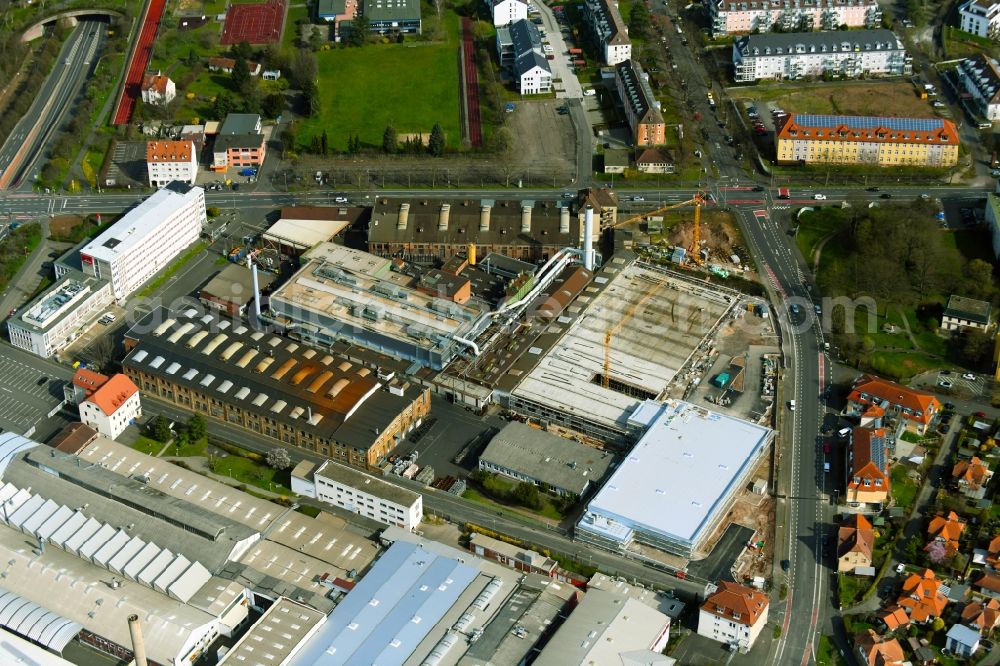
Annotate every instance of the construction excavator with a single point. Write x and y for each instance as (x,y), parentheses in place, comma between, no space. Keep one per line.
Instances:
(697,201)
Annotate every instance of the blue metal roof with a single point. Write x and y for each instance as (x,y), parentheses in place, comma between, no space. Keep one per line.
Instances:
(870,122)
(390,611)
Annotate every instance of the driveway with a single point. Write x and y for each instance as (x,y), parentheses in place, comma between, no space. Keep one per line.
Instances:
(570,86)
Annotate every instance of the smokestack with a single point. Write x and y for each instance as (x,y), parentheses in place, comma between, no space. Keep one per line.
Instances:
(404,216)
(525,219)
(588,238)
(443,217)
(256,293)
(484,218)
(138,644)
(564,220)
(472,254)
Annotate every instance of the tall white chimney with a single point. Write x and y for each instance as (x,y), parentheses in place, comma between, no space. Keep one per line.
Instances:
(588,238)
(138,643)
(256,293)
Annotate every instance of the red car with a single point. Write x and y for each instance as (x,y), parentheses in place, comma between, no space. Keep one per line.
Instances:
(981,415)
(826,448)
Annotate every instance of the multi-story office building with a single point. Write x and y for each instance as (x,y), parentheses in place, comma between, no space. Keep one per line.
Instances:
(795,55)
(59,315)
(980,76)
(146,239)
(359,493)
(980,18)
(737,17)
(606,23)
(169,161)
(641,107)
(814,139)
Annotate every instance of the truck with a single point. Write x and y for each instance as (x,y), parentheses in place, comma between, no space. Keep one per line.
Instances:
(249,171)
(575,51)
(783,193)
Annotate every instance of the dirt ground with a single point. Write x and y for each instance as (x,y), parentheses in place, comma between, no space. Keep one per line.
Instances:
(718,233)
(868,99)
(545,139)
(63,224)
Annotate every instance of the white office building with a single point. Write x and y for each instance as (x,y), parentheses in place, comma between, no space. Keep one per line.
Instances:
(847,54)
(980,18)
(169,161)
(741,17)
(506,12)
(146,239)
(60,315)
(360,493)
(609,29)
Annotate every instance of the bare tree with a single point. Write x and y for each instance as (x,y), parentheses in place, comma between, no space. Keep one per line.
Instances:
(102,352)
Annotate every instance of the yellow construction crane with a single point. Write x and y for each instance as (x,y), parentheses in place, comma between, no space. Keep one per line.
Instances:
(697,200)
(614,330)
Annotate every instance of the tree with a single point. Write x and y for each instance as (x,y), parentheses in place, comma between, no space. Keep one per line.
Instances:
(102,352)
(302,69)
(161,429)
(435,144)
(938,624)
(273,105)
(310,98)
(279,459)
(241,74)
(289,136)
(936,551)
(242,50)
(979,278)
(390,141)
(212,211)
(324,143)
(196,427)
(358,31)
(224,105)
(354,144)
(526,494)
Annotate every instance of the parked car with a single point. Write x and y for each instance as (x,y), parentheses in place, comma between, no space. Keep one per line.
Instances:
(969,376)
(340,200)
(944,383)
(819,197)
(981,415)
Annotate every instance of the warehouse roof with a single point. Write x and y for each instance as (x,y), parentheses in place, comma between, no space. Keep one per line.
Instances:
(284,380)
(16,650)
(135,225)
(276,636)
(556,461)
(304,233)
(353,478)
(234,284)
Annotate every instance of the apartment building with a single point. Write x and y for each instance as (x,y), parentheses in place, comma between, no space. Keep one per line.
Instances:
(844,54)
(519,48)
(146,239)
(158,89)
(855,543)
(739,17)
(59,315)
(606,23)
(915,409)
(980,18)
(734,614)
(109,404)
(868,468)
(641,108)
(506,12)
(980,77)
(359,493)
(239,143)
(820,139)
(169,161)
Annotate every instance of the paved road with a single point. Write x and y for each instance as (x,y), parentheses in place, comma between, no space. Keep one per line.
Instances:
(26,144)
(24,403)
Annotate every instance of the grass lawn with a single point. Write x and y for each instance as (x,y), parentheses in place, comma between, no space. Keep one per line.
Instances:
(971,243)
(888,98)
(253,474)
(903,365)
(364,90)
(191,449)
(175,266)
(148,446)
(291,33)
(904,490)
(851,589)
(813,228)
(827,653)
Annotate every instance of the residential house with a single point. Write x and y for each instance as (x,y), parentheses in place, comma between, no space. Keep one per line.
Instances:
(239,143)
(734,615)
(616,160)
(167,161)
(972,477)
(893,617)
(532,74)
(609,29)
(989,585)
(797,55)
(738,17)
(985,617)
(868,468)
(873,140)
(519,48)
(947,529)
(855,541)
(993,553)
(271,74)
(641,107)
(338,12)
(875,650)
(962,312)
(962,641)
(226,66)
(506,12)
(106,404)
(915,408)
(922,597)
(393,16)
(158,89)
(980,18)
(655,160)
(980,77)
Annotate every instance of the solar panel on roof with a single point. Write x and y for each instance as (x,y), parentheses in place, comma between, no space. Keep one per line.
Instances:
(871,122)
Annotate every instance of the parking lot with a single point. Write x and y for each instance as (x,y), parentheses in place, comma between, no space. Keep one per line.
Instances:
(25,399)
(547,138)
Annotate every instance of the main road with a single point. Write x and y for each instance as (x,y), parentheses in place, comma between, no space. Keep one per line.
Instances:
(20,153)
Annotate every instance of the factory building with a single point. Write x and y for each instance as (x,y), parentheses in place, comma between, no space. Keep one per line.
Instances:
(146,239)
(299,228)
(345,294)
(281,389)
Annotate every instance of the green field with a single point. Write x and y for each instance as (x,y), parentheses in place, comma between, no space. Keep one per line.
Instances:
(291,29)
(148,446)
(903,489)
(408,86)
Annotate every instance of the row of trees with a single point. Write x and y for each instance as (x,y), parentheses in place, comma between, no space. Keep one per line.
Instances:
(391,145)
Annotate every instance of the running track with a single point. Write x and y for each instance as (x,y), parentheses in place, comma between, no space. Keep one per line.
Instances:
(471,85)
(140,59)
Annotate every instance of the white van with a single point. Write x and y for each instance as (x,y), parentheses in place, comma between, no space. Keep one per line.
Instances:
(791,405)
(844,432)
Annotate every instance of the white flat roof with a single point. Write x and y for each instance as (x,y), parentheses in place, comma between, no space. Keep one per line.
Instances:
(136,224)
(680,471)
(304,233)
(15,651)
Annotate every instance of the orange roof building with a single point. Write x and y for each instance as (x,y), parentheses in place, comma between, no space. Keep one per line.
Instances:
(734,615)
(876,650)
(169,161)
(972,477)
(915,408)
(983,616)
(894,617)
(947,529)
(812,139)
(993,553)
(868,462)
(112,407)
(88,381)
(855,541)
(922,597)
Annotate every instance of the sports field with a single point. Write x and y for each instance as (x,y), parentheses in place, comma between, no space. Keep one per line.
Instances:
(362,91)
